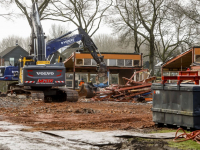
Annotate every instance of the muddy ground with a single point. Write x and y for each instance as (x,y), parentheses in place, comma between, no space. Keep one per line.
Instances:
(83,115)
(74,116)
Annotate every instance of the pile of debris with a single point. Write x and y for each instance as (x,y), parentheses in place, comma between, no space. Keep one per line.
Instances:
(131,91)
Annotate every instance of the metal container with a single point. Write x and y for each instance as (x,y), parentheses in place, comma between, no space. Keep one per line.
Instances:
(176,105)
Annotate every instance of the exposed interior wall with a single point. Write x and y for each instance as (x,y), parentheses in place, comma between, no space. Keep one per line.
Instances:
(124,73)
(197,55)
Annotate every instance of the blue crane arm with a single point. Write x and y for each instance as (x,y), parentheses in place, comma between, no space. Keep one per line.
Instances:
(55,44)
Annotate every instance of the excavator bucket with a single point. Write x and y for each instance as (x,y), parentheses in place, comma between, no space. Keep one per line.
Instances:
(87,90)
(92,48)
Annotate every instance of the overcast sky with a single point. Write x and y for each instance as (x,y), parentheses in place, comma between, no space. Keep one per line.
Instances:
(20,27)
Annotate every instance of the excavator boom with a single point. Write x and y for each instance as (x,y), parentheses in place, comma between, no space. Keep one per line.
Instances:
(55,44)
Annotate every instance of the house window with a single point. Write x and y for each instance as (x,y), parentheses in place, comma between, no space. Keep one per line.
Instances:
(7,63)
(197,58)
(93,78)
(82,76)
(2,72)
(120,62)
(12,61)
(69,84)
(165,73)
(105,60)
(94,63)
(78,78)
(136,62)
(114,79)
(69,76)
(69,80)
(128,62)
(102,79)
(79,61)
(87,62)
(112,62)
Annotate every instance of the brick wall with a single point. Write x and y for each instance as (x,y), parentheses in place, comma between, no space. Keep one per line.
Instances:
(1,61)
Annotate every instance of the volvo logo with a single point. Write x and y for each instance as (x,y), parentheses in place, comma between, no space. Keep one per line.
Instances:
(68,41)
(45,73)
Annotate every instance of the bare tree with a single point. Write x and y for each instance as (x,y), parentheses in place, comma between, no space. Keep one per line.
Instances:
(171,31)
(178,28)
(25,8)
(126,23)
(5,4)
(106,43)
(82,13)
(57,30)
(13,41)
(191,9)
(141,17)
(148,15)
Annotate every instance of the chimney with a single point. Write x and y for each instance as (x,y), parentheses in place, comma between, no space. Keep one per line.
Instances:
(16,42)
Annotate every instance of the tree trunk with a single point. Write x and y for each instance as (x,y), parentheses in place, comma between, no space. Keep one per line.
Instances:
(137,49)
(151,54)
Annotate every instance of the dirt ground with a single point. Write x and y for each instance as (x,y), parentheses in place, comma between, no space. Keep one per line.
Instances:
(86,115)
(74,116)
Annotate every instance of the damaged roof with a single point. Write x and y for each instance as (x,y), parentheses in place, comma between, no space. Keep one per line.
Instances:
(183,60)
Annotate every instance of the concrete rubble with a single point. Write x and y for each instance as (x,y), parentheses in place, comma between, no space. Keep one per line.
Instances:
(132,91)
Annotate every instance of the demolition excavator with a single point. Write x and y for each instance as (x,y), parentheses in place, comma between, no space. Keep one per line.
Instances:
(43,80)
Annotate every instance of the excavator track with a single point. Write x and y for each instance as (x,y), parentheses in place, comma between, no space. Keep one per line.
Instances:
(36,94)
(71,95)
(46,95)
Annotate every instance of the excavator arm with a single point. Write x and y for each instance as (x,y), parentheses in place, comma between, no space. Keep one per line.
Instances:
(38,36)
(62,41)
(92,48)
(55,44)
